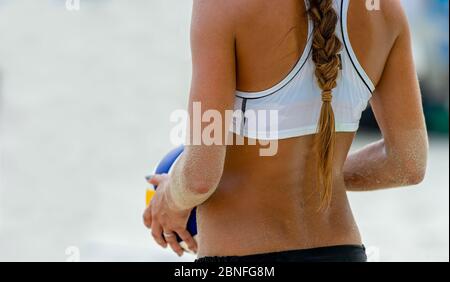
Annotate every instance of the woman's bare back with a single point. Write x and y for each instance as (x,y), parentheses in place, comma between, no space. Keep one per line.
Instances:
(267,204)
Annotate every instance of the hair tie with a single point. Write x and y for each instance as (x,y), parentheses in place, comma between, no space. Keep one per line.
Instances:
(327,96)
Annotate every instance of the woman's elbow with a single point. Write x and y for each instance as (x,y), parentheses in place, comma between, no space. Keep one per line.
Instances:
(410,163)
(201,188)
(415,176)
(202,184)
(202,169)
(414,171)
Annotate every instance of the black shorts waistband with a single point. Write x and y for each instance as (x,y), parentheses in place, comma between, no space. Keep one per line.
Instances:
(341,253)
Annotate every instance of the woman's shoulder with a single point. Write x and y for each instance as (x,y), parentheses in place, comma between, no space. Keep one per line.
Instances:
(394,16)
(216,13)
(238,12)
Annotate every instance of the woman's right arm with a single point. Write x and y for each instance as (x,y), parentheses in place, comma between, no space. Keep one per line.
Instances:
(400,158)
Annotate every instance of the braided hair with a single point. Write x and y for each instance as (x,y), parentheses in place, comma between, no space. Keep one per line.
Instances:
(326,46)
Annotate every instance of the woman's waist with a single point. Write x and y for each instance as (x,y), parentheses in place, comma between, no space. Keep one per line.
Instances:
(247,240)
(240,225)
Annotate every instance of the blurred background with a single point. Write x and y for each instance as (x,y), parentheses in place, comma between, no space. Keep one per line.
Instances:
(85,96)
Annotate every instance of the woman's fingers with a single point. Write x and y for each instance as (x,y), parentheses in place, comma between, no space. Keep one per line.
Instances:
(157,234)
(147,217)
(155,179)
(188,239)
(149,177)
(171,239)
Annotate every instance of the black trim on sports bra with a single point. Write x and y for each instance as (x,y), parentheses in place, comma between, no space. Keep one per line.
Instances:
(244,105)
(347,49)
(294,76)
(244,119)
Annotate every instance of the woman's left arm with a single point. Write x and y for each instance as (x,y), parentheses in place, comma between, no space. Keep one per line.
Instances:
(196,175)
(198,172)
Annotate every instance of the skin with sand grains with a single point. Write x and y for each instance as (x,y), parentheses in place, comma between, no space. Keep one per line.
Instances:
(232,186)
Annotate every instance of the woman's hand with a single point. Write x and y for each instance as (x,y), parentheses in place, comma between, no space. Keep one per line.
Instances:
(165,220)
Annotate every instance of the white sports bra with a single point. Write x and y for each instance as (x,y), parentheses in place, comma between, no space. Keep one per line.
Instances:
(291,108)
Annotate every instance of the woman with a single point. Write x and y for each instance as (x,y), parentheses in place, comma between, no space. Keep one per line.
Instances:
(318,64)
